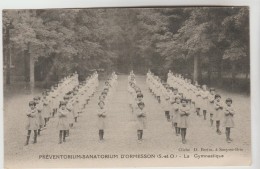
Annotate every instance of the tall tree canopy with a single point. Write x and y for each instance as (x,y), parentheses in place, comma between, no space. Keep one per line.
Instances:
(194,41)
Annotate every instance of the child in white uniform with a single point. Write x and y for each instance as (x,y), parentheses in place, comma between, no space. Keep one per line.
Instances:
(175,114)
(63,123)
(184,119)
(102,115)
(218,105)
(204,96)
(211,110)
(141,121)
(228,121)
(32,123)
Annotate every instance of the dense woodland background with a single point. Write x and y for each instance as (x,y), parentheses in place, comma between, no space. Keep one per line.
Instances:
(208,44)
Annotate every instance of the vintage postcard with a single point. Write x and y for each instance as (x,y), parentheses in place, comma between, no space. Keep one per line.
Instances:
(126,87)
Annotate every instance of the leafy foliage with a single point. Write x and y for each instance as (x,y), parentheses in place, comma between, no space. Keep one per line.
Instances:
(134,38)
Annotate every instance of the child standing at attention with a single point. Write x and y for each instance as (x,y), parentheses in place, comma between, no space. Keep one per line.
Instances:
(141,121)
(76,109)
(198,100)
(63,123)
(218,111)
(175,115)
(211,99)
(166,103)
(45,110)
(229,115)
(184,115)
(204,96)
(32,123)
(39,107)
(69,107)
(139,99)
(174,94)
(101,120)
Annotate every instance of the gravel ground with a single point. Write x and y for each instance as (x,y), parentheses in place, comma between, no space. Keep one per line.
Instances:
(120,135)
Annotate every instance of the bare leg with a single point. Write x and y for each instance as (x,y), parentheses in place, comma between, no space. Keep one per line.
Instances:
(28,137)
(60,136)
(35,137)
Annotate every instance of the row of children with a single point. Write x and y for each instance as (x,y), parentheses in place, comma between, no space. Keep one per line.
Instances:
(104,99)
(178,93)
(41,110)
(137,106)
(65,99)
(176,108)
(207,101)
(74,103)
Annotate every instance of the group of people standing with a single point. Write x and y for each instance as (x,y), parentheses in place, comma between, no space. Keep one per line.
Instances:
(64,101)
(137,106)
(104,99)
(180,99)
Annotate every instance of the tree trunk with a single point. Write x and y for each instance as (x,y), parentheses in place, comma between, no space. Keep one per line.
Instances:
(32,80)
(209,75)
(26,66)
(233,67)
(8,68)
(196,70)
(200,76)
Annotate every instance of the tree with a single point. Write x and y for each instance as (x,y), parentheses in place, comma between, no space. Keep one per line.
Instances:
(189,41)
(237,50)
(24,35)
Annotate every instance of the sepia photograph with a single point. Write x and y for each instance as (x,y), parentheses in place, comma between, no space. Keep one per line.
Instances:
(126,87)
